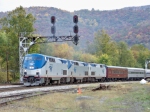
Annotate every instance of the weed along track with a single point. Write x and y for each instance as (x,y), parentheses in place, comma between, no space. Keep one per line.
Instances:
(101,97)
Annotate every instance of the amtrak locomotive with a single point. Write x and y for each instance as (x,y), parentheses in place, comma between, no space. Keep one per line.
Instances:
(39,69)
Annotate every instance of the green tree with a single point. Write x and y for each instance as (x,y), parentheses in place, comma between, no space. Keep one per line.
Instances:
(125,55)
(85,57)
(104,59)
(4,58)
(141,53)
(47,49)
(104,45)
(63,51)
(17,21)
(90,48)
(56,49)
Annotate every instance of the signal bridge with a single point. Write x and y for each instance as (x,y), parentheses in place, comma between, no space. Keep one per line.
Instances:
(26,41)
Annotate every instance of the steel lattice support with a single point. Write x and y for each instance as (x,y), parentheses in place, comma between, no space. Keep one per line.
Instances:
(25,42)
(24,45)
(147,61)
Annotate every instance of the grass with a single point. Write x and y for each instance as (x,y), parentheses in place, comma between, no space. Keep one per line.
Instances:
(120,98)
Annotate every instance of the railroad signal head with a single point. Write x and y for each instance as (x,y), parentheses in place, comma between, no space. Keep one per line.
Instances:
(53,29)
(75,39)
(75,19)
(75,29)
(53,19)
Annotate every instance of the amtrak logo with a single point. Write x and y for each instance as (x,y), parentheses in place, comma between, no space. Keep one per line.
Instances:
(51,67)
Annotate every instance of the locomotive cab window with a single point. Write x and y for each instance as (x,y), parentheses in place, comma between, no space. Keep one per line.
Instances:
(51,59)
(76,63)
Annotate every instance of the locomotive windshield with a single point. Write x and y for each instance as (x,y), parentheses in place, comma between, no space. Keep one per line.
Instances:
(34,61)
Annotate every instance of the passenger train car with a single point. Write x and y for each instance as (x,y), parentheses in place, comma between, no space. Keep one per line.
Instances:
(39,69)
(116,73)
(147,74)
(136,73)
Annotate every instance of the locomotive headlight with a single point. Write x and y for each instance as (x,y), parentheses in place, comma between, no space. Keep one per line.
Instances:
(31,67)
(25,76)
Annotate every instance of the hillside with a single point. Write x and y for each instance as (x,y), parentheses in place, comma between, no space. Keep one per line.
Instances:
(131,24)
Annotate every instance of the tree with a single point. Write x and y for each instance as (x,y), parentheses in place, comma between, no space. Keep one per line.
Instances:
(17,21)
(125,55)
(63,51)
(141,53)
(59,50)
(90,48)
(85,57)
(4,62)
(104,45)
(104,59)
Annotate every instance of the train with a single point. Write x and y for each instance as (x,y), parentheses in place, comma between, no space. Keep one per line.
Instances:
(39,69)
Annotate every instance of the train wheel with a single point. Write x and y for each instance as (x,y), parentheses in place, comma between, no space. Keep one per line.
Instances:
(102,79)
(71,80)
(49,81)
(43,84)
(63,80)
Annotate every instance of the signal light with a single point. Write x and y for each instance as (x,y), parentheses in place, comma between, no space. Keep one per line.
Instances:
(53,19)
(75,19)
(75,39)
(53,29)
(75,29)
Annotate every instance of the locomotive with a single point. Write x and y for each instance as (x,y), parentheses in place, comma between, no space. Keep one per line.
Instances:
(39,69)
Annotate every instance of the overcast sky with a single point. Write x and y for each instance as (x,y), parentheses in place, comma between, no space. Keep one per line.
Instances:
(72,5)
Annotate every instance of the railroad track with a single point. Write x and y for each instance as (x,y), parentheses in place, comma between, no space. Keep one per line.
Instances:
(11,89)
(27,92)
(20,88)
(20,93)
(15,88)
(5,100)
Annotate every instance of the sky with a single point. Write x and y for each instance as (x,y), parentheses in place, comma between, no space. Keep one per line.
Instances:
(72,5)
